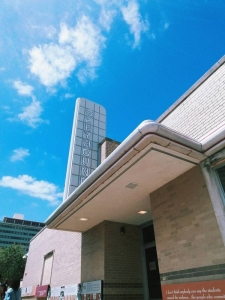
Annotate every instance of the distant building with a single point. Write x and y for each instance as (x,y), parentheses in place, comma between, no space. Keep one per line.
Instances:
(18,231)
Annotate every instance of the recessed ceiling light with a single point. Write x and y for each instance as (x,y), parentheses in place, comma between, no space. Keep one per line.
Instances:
(142,212)
(83,219)
(131,185)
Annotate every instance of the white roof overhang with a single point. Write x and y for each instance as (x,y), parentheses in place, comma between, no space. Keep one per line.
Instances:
(150,157)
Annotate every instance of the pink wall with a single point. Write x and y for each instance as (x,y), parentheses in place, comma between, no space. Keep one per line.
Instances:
(66,268)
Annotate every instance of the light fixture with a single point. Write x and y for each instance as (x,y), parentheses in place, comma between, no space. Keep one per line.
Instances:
(131,185)
(122,230)
(83,219)
(142,212)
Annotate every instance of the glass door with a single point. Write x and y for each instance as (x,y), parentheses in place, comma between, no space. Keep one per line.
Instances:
(154,285)
(152,282)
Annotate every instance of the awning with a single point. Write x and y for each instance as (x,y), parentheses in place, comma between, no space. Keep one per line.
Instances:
(119,188)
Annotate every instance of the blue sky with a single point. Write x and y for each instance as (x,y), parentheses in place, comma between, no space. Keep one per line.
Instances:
(133,57)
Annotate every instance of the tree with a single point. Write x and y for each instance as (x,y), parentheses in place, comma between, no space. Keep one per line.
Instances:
(12,263)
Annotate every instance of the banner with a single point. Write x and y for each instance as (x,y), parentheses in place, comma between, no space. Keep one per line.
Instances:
(42,291)
(204,290)
(64,292)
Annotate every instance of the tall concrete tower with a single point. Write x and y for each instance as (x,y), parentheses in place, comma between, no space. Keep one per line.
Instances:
(89,129)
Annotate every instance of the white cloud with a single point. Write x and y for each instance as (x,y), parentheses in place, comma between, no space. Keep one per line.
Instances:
(51,63)
(101,2)
(85,73)
(50,31)
(67,96)
(46,31)
(166,25)
(22,88)
(86,40)
(31,114)
(106,18)
(77,47)
(134,20)
(6,107)
(19,154)
(35,188)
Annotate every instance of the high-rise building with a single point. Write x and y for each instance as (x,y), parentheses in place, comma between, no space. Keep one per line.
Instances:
(18,231)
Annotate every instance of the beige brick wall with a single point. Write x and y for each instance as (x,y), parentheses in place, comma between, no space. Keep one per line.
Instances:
(203,110)
(92,262)
(122,253)
(186,230)
(66,260)
(114,258)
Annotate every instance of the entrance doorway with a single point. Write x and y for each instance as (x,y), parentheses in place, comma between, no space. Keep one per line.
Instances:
(151,264)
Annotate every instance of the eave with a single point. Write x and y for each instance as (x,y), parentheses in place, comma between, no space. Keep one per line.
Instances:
(151,156)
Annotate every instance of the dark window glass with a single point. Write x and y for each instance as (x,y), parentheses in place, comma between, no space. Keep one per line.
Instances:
(148,234)
(221,173)
(152,268)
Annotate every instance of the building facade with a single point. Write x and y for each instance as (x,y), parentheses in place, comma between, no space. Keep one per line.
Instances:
(18,231)
(66,266)
(152,214)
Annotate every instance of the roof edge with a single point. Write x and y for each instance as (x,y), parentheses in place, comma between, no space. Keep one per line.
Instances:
(148,127)
(145,128)
(110,140)
(214,68)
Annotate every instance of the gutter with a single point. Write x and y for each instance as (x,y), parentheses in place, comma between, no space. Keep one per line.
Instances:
(215,142)
(147,132)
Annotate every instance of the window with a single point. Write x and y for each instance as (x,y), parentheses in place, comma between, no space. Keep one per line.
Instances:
(47,268)
(148,234)
(214,172)
(221,175)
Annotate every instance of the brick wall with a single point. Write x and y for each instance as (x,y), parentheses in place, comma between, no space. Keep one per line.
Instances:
(186,229)
(122,253)
(114,258)
(66,247)
(203,110)
(107,147)
(92,261)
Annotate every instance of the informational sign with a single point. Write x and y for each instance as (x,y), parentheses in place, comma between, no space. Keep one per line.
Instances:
(28,291)
(205,290)
(42,291)
(89,129)
(64,292)
(90,290)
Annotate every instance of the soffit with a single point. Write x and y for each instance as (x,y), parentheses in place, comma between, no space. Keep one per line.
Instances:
(150,169)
